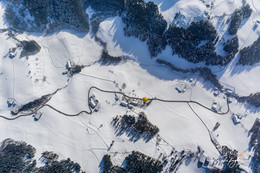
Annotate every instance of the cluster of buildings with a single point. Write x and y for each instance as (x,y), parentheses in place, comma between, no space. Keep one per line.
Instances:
(94,103)
(12,104)
(130,103)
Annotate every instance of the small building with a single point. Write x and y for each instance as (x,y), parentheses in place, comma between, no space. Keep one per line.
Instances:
(236,119)
(215,106)
(229,100)
(192,82)
(130,107)
(14,110)
(11,55)
(181,88)
(201,161)
(255,26)
(76,69)
(69,65)
(116,97)
(92,104)
(239,116)
(123,104)
(216,92)
(37,116)
(206,163)
(93,96)
(228,91)
(11,102)
(134,102)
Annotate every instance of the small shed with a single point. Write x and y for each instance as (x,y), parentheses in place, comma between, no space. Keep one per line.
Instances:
(116,97)
(37,116)
(69,65)
(216,92)
(11,55)
(214,106)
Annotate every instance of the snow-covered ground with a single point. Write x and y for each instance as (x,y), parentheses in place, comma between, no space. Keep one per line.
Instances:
(85,138)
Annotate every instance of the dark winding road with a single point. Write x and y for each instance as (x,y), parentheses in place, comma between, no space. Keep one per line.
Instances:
(113,92)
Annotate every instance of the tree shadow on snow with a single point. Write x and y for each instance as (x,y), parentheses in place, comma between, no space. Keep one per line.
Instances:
(131,134)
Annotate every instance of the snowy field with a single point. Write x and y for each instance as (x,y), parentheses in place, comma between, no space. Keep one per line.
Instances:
(86,138)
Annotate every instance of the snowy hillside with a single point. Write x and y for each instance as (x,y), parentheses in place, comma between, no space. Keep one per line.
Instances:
(72,95)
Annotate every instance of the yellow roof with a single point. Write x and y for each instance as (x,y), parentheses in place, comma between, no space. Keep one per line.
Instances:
(145,99)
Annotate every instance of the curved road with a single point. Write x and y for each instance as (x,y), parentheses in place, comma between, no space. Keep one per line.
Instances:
(114,92)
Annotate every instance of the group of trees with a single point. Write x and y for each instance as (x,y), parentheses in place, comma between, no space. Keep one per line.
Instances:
(13,156)
(136,162)
(105,5)
(250,55)
(237,17)
(68,14)
(231,46)
(144,126)
(204,72)
(103,9)
(108,167)
(108,59)
(59,14)
(197,43)
(253,99)
(144,21)
(30,47)
(64,166)
(255,144)
(231,165)
(136,127)
(33,104)
(18,156)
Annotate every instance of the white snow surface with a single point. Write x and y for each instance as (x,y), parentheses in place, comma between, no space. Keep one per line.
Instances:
(82,138)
